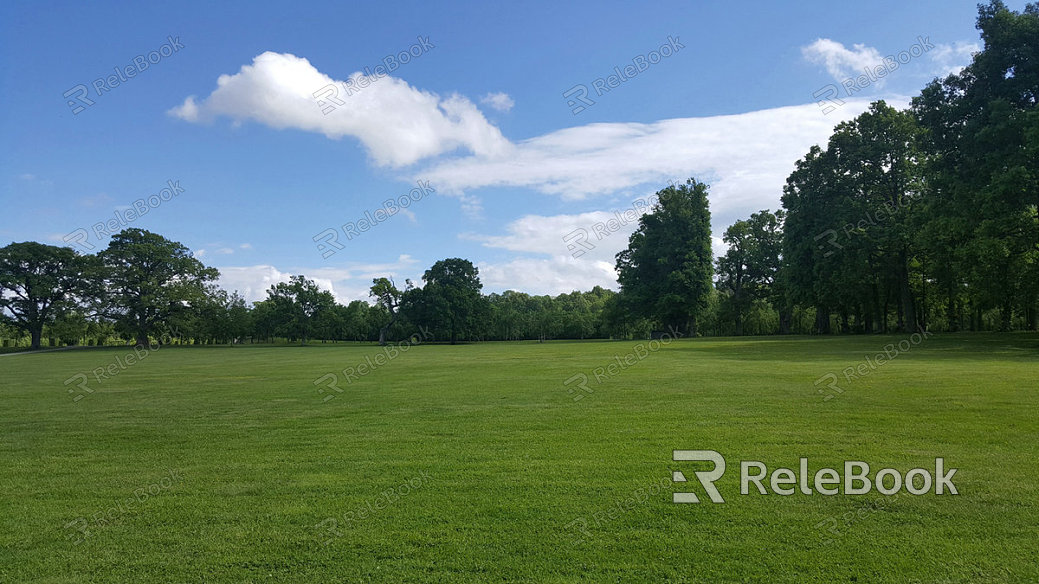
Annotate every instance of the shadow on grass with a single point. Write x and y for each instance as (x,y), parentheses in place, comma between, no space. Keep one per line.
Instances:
(1023,346)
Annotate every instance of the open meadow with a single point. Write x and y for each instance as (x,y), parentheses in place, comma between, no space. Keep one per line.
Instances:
(475,463)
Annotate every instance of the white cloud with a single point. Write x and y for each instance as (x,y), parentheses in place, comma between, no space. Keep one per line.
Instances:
(245,246)
(745,158)
(553,235)
(559,271)
(212,249)
(32,178)
(840,61)
(397,123)
(409,214)
(952,58)
(547,276)
(499,101)
(346,284)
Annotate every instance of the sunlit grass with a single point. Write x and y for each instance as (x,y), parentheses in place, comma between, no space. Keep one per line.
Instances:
(269,482)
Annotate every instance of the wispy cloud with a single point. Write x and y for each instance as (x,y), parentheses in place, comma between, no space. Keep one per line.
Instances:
(499,101)
(746,157)
(97,200)
(840,61)
(347,283)
(951,58)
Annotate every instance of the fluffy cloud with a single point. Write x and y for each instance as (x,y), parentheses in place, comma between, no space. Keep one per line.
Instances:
(546,276)
(556,270)
(745,157)
(397,123)
(346,284)
(840,61)
(499,101)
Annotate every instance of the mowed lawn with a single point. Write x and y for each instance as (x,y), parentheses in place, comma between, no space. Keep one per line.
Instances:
(239,471)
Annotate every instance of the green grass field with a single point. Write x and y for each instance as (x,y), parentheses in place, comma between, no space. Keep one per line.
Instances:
(235,464)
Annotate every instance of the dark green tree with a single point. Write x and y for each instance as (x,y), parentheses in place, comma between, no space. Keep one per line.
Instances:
(389,297)
(982,140)
(450,302)
(747,272)
(40,283)
(151,281)
(299,307)
(665,273)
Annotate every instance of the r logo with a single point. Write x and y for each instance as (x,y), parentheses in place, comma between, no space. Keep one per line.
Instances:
(331,93)
(580,96)
(577,237)
(706,478)
(826,98)
(832,241)
(81,101)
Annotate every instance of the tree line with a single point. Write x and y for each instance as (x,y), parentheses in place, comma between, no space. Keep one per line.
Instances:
(144,286)
(926,218)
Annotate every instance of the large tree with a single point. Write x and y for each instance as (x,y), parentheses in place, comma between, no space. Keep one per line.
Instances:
(39,283)
(982,138)
(151,281)
(450,301)
(747,272)
(389,297)
(665,274)
(850,227)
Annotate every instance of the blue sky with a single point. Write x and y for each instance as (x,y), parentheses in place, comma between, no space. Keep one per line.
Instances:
(228,113)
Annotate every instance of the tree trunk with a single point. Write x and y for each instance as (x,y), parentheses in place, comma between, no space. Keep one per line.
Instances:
(142,339)
(907,312)
(952,313)
(785,318)
(37,334)
(1006,313)
(822,320)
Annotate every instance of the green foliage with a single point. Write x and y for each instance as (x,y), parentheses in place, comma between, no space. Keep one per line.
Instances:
(40,283)
(449,303)
(300,308)
(748,271)
(151,281)
(665,273)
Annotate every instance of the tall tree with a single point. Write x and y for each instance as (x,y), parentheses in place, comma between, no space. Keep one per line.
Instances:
(880,182)
(39,283)
(450,300)
(982,136)
(849,235)
(150,281)
(665,273)
(747,272)
(388,296)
